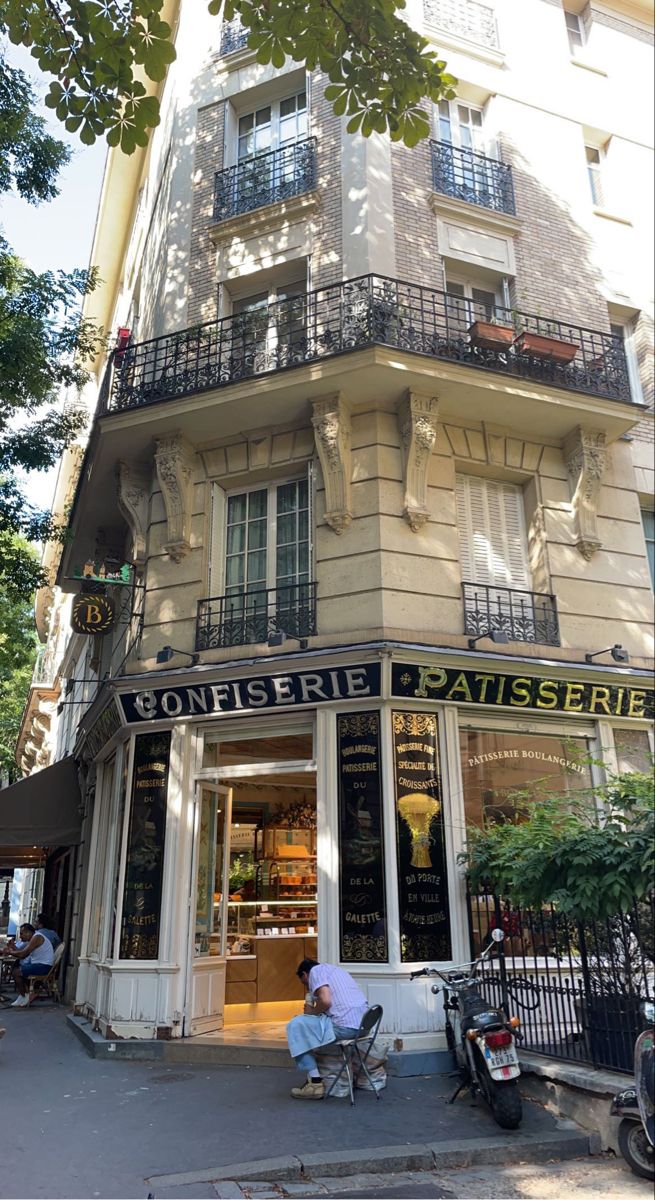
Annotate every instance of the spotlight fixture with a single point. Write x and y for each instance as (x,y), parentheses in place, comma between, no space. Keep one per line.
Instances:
(495,635)
(278,637)
(618,652)
(166,653)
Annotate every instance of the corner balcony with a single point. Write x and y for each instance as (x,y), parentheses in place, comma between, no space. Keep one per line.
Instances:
(464,19)
(370,311)
(465,175)
(250,617)
(522,616)
(267,179)
(233,36)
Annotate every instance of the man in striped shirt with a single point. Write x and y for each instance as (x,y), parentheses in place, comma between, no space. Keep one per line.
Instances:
(334,1010)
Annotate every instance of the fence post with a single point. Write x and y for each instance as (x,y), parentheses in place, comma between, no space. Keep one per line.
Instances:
(586,981)
(498,912)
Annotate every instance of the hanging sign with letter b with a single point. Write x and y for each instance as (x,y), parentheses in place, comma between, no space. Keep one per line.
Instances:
(92,614)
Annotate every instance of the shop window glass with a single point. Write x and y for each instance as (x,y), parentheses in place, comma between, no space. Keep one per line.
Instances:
(99,880)
(633,752)
(297,747)
(118,833)
(498,767)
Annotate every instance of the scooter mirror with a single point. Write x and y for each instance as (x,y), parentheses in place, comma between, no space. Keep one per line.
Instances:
(648,1011)
(497,935)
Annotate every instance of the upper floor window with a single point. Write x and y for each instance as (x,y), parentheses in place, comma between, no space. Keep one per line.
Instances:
(268,328)
(461,125)
(575,30)
(625,330)
(470,300)
(595,156)
(491,523)
(278,124)
(648,519)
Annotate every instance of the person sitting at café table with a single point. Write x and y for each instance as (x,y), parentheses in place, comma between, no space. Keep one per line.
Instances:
(34,956)
(333,1011)
(43,924)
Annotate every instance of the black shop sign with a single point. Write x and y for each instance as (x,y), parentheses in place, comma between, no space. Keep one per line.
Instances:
(144,868)
(363,918)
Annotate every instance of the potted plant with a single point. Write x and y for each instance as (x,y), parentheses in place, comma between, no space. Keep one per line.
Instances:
(547,346)
(493,334)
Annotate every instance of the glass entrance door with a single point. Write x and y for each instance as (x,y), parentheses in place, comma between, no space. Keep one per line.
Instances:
(206,1008)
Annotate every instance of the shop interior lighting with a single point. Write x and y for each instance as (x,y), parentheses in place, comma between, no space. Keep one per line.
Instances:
(279,637)
(495,635)
(166,653)
(618,652)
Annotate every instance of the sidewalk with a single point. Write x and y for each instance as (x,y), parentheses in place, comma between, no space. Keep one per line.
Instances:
(83,1127)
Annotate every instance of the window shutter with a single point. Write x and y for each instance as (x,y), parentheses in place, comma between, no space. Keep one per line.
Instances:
(492,533)
(217,541)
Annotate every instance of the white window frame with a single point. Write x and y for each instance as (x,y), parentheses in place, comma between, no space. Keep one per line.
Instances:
(525,584)
(625,328)
(479,145)
(595,173)
(275,124)
(271,526)
(575,26)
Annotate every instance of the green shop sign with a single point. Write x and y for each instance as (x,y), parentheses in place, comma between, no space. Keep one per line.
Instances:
(415,682)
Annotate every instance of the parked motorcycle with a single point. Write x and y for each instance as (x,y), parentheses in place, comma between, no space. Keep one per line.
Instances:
(481,1039)
(636,1105)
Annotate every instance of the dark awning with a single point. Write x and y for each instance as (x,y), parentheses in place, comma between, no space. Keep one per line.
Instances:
(44,809)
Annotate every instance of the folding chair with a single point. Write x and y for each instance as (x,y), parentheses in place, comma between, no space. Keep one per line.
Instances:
(351,1053)
(48,985)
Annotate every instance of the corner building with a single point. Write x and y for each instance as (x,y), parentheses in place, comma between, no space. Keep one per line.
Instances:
(375,442)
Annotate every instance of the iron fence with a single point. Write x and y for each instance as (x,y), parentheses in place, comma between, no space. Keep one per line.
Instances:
(523,616)
(466,175)
(464,18)
(368,311)
(577,988)
(265,179)
(233,36)
(248,617)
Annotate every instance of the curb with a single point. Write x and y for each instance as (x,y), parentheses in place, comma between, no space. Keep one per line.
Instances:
(505,1147)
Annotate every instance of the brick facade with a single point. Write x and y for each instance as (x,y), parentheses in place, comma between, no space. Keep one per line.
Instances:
(203,285)
(327,229)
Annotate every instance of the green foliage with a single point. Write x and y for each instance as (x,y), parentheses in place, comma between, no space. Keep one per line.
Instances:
(99,52)
(559,850)
(29,157)
(17,651)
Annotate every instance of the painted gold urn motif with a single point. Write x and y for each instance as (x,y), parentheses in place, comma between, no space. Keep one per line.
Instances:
(418,809)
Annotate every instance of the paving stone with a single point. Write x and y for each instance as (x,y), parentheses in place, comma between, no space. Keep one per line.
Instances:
(227,1189)
(190,1191)
(313,1187)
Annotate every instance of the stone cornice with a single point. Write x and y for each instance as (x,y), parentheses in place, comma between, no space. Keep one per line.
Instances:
(451,209)
(264,219)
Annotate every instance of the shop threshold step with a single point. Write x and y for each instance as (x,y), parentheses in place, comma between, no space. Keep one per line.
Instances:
(207,1052)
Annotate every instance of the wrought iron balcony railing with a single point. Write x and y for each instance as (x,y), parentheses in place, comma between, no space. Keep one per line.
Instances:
(233,36)
(523,616)
(45,672)
(277,175)
(466,175)
(355,314)
(249,617)
(464,18)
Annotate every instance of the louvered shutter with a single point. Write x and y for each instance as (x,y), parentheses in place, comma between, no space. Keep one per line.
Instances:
(493,543)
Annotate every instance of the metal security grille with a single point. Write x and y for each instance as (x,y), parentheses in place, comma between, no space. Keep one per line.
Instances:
(349,316)
(523,616)
(467,175)
(265,179)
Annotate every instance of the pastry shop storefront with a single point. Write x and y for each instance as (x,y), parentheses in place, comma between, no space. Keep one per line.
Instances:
(248,817)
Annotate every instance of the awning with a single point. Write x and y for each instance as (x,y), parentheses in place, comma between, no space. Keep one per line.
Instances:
(44,809)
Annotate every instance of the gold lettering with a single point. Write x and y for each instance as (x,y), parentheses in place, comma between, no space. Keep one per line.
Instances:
(636,698)
(501,689)
(430,678)
(93,614)
(547,691)
(484,680)
(520,695)
(573,697)
(600,696)
(460,685)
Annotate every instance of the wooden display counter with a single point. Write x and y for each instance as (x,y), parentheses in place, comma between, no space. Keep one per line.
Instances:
(270,973)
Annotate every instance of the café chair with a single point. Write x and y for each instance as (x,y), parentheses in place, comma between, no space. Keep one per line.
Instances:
(353,1060)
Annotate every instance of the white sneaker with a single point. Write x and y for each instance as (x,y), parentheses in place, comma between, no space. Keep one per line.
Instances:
(21,1002)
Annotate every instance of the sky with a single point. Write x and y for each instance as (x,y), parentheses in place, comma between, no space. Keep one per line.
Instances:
(59,233)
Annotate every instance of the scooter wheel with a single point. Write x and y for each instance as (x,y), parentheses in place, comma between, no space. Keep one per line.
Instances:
(636,1149)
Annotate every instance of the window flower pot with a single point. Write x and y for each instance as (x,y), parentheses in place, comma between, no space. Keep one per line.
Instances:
(487,336)
(540,346)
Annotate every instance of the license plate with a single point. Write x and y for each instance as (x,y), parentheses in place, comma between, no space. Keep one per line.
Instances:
(501,1058)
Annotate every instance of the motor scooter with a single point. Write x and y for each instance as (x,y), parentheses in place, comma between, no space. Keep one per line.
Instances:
(481,1039)
(636,1105)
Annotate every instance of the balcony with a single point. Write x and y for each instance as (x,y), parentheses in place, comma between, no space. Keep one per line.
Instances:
(464,18)
(523,616)
(45,672)
(354,315)
(266,179)
(465,175)
(233,36)
(248,618)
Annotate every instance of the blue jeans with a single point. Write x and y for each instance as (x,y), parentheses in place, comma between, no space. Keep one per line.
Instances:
(307,1061)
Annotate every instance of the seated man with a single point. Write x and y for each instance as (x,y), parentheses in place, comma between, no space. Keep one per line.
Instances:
(44,926)
(34,956)
(334,1011)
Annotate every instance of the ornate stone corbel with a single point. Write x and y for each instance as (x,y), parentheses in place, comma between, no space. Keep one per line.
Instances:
(133,495)
(584,454)
(174,463)
(417,422)
(331,421)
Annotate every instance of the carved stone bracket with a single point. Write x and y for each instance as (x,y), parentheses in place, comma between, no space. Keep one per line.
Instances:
(174,463)
(134,481)
(417,422)
(331,421)
(584,454)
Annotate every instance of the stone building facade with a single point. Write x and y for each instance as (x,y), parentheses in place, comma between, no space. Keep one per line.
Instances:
(376,448)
